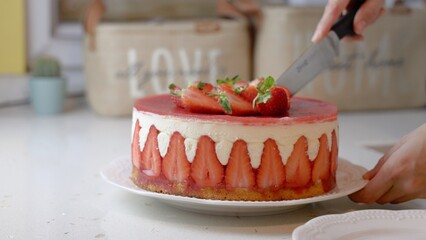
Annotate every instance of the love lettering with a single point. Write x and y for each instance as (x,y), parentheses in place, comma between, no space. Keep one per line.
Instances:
(164,66)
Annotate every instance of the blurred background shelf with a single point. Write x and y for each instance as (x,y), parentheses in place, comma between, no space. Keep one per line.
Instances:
(54,27)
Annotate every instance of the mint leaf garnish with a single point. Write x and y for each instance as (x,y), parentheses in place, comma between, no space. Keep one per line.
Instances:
(228,80)
(263,88)
(200,85)
(224,102)
(239,89)
(175,90)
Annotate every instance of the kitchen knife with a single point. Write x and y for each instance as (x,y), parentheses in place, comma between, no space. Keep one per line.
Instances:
(319,56)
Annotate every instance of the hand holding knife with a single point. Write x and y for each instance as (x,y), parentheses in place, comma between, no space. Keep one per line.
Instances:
(321,55)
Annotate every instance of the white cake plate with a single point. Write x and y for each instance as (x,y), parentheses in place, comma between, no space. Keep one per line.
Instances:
(366,225)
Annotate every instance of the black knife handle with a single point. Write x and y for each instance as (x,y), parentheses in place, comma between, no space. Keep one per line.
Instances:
(345,25)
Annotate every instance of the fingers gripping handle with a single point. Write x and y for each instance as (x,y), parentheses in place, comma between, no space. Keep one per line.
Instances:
(345,25)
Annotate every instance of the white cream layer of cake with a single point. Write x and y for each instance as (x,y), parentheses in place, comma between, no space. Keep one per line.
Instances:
(225,133)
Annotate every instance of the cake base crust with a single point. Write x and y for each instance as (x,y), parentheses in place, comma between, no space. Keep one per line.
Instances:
(189,189)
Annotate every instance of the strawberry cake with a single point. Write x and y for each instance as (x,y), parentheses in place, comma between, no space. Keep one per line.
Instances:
(232,142)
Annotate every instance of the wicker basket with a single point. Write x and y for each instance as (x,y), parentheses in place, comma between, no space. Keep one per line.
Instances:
(124,61)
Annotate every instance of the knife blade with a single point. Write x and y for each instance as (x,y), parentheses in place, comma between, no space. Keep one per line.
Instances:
(319,56)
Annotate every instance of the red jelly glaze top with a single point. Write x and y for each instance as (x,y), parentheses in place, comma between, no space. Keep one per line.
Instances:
(302,110)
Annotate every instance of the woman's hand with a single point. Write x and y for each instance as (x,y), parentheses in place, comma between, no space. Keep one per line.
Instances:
(400,175)
(366,15)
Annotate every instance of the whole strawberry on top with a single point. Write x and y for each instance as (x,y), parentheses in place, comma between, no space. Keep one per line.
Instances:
(234,96)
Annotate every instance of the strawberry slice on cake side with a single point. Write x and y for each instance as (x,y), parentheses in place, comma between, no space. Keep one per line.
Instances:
(298,167)
(271,173)
(322,163)
(206,170)
(175,165)
(150,158)
(239,172)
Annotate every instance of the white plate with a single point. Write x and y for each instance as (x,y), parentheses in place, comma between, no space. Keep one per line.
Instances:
(349,180)
(365,225)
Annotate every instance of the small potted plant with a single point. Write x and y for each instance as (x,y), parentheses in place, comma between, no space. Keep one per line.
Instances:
(47,86)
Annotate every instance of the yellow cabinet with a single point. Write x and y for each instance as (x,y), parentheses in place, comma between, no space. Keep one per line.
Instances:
(12,37)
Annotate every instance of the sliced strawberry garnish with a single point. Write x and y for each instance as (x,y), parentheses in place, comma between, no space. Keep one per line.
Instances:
(298,167)
(136,152)
(234,96)
(240,85)
(206,170)
(334,153)
(176,95)
(256,81)
(239,172)
(271,173)
(233,103)
(150,162)
(175,166)
(288,94)
(195,100)
(321,165)
(203,86)
(249,93)
(277,103)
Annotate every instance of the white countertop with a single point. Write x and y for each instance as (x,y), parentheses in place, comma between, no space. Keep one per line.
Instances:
(50,186)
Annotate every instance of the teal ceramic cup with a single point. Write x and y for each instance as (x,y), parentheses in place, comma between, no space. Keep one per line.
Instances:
(47,95)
